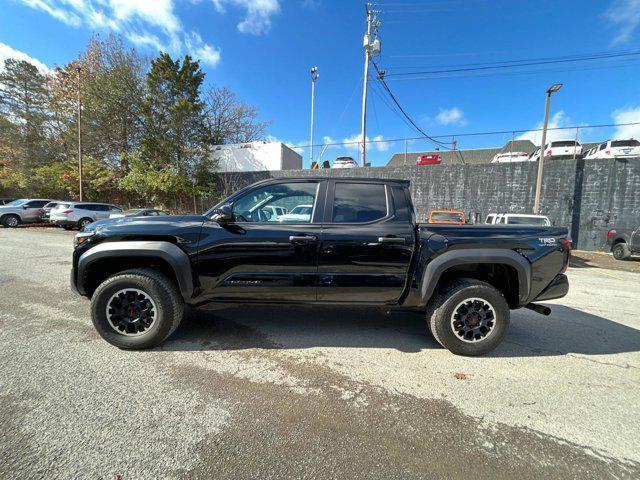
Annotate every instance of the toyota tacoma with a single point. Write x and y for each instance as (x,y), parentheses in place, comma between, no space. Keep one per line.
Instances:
(358,244)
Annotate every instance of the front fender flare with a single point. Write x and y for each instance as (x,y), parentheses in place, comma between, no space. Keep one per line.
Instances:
(452,258)
(167,251)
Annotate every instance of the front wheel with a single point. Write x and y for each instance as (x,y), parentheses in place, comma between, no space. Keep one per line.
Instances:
(621,251)
(468,317)
(136,309)
(11,221)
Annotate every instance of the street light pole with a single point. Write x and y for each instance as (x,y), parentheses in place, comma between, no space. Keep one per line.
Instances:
(367,39)
(78,68)
(536,202)
(314,77)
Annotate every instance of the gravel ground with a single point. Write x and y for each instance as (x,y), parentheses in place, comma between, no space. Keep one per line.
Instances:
(266,392)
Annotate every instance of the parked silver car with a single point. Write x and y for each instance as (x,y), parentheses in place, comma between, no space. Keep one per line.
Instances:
(23,210)
(80,214)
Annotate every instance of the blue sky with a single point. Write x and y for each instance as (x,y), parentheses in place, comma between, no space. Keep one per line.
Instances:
(263,49)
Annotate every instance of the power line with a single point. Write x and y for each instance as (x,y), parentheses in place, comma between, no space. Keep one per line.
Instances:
(512,64)
(476,134)
(622,64)
(395,100)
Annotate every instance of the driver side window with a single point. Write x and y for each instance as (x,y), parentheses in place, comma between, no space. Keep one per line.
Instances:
(292,202)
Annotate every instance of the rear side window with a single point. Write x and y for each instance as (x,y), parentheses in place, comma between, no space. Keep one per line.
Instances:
(625,143)
(82,206)
(36,204)
(359,203)
(401,204)
(603,146)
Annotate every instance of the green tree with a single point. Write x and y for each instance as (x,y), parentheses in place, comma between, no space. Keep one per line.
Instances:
(24,102)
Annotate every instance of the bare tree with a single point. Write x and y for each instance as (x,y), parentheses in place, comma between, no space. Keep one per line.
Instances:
(229,119)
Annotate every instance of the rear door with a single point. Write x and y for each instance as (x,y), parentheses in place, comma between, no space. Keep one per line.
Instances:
(367,242)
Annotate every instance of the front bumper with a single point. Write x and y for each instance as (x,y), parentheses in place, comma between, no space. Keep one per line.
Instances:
(558,288)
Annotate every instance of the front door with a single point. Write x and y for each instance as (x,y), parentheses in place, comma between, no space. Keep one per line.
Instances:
(33,210)
(366,244)
(260,256)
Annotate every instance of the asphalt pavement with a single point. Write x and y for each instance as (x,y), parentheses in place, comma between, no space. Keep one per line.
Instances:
(274,392)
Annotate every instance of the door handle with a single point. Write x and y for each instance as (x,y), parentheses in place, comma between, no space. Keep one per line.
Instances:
(302,238)
(396,240)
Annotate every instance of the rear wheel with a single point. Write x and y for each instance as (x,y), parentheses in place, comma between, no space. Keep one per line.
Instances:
(11,221)
(136,309)
(621,251)
(83,222)
(468,317)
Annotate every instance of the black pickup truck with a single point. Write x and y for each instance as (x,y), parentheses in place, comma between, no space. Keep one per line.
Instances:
(317,241)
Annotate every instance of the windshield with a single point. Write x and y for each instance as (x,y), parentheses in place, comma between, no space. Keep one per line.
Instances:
(15,203)
(446,217)
(132,213)
(625,143)
(301,210)
(541,221)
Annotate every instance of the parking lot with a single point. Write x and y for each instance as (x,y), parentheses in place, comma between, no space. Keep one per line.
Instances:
(273,392)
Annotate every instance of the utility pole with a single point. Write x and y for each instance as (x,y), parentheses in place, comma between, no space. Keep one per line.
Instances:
(536,202)
(314,77)
(370,49)
(78,68)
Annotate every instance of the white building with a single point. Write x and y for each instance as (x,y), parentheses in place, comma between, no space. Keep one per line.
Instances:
(256,156)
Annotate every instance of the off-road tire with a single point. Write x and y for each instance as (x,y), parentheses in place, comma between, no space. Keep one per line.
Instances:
(8,219)
(621,251)
(442,307)
(164,293)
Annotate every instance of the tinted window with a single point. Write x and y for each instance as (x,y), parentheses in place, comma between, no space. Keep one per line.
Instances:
(257,205)
(625,143)
(112,208)
(37,203)
(401,204)
(564,143)
(603,146)
(359,202)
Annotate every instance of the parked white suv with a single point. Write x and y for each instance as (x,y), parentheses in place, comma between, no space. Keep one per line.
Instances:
(509,157)
(559,149)
(517,219)
(80,214)
(616,149)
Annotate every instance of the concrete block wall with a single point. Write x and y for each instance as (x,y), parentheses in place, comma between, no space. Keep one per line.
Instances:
(587,196)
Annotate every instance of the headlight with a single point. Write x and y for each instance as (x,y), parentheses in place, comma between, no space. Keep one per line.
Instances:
(82,237)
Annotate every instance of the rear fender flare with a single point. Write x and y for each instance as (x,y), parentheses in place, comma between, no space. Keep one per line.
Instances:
(167,251)
(453,258)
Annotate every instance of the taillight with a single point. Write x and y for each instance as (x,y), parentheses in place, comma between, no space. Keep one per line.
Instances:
(609,233)
(567,245)
(67,211)
(548,152)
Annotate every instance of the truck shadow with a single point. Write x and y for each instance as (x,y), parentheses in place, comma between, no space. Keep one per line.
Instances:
(565,331)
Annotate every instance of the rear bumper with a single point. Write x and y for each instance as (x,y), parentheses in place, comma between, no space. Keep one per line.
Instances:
(558,288)
(64,223)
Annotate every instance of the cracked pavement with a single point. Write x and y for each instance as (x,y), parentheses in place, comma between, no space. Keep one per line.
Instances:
(273,392)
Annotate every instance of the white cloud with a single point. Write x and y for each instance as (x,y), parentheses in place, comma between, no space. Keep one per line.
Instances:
(630,115)
(355,140)
(258,13)
(146,23)
(7,52)
(559,119)
(451,116)
(624,15)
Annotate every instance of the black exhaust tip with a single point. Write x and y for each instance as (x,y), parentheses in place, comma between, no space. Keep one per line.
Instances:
(541,309)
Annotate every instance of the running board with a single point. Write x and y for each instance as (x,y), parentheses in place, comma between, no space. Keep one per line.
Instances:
(541,309)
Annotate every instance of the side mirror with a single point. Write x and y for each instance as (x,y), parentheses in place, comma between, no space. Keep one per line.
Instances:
(223,214)
(24,207)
